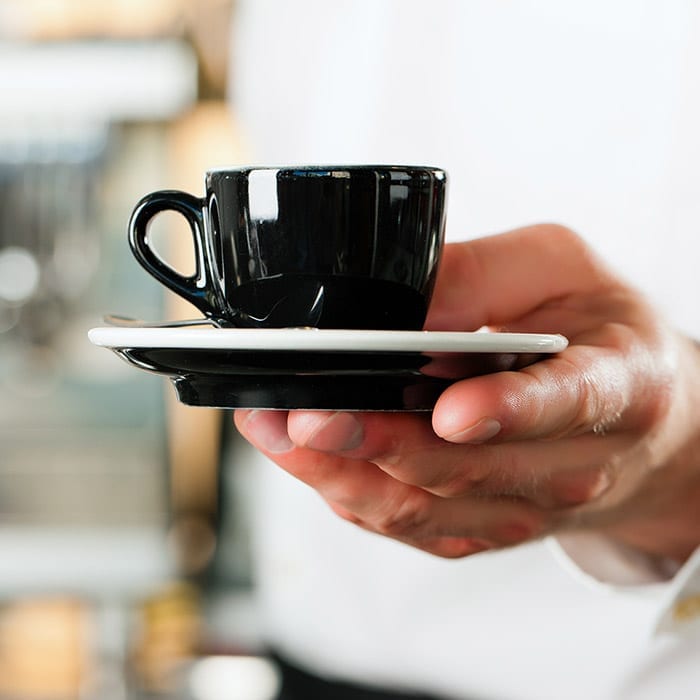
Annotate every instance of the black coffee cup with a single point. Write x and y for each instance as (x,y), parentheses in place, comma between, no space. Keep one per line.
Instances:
(338,246)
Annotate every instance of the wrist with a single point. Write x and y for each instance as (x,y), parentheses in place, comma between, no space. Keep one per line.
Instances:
(663,518)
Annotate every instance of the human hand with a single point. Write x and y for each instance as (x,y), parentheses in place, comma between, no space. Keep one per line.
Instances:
(602,437)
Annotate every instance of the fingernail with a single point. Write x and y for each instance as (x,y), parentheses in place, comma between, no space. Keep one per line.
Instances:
(479,432)
(268,431)
(339,432)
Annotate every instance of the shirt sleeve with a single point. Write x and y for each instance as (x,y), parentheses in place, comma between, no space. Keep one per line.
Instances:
(598,560)
(612,567)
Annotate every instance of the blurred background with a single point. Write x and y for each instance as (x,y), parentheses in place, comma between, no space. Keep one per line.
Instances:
(112,581)
(126,531)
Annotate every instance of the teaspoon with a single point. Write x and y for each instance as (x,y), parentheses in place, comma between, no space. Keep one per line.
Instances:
(129,322)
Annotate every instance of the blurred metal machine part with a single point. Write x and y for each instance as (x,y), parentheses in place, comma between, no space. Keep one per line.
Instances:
(86,501)
(83,133)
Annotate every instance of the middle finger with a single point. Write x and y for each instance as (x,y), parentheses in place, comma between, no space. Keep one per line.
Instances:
(553,474)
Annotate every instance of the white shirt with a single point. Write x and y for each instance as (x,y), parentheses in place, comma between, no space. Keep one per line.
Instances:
(587,114)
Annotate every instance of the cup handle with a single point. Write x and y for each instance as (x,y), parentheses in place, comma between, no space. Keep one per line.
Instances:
(196,288)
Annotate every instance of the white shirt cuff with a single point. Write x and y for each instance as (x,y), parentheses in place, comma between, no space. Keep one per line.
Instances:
(614,568)
(598,560)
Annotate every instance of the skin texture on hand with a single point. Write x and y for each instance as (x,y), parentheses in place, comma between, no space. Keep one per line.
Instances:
(602,437)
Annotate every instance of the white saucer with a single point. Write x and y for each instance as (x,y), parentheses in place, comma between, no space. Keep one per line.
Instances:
(326,340)
(319,369)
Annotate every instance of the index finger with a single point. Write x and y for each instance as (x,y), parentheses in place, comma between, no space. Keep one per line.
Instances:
(494,280)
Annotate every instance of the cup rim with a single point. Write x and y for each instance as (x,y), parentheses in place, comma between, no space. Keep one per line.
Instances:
(331,168)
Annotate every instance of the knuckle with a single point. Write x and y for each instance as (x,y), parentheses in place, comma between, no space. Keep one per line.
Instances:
(585,264)
(561,237)
(458,547)
(658,405)
(593,407)
(603,392)
(590,409)
(344,514)
(560,233)
(492,471)
(346,494)
(519,528)
(582,487)
(405,516)
(511,474)
(661,365)
(619,336)
(462,480)
(601,381)
(456,473)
